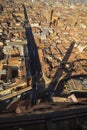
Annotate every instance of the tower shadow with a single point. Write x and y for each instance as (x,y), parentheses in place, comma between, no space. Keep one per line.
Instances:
(56,84)
(35,66)
(32,48)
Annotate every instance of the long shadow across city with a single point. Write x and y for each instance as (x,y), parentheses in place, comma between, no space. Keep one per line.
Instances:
(35,66)
(32,48)
(55,85)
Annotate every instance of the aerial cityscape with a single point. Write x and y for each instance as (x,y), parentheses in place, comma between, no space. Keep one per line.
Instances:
(43,55)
